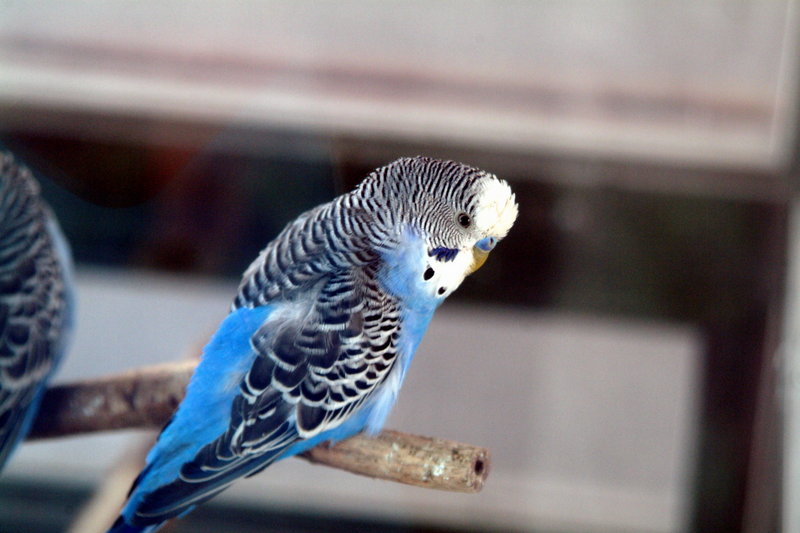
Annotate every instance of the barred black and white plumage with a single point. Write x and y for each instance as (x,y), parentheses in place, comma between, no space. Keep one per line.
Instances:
(330,255)
(355,227)
(35,306)
(323,328)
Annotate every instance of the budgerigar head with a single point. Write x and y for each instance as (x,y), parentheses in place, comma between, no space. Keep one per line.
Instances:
(460,213)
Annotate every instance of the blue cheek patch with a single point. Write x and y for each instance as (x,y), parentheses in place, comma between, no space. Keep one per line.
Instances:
(487,244)
(443,254)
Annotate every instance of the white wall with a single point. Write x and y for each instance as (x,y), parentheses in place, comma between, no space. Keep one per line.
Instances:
(708,81)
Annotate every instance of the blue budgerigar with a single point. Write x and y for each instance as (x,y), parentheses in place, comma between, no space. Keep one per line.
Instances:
(35,301)
(322,330)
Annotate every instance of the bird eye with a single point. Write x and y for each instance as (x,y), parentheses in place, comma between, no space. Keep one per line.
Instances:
(464,219)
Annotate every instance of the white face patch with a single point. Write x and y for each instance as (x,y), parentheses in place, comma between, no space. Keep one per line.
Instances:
(495,213)
(441,278)
(497,208)
(425,272)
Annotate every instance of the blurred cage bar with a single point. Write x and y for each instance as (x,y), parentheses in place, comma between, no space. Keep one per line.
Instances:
(640,297)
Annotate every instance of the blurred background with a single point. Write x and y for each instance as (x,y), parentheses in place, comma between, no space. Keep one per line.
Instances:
(621,353)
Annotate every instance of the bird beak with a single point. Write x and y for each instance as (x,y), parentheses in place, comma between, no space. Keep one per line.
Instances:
(480,252)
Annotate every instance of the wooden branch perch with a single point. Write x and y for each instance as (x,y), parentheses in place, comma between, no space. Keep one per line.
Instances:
(146,398)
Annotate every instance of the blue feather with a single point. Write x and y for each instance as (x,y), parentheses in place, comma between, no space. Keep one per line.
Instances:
(205,412)
(120,526)
(349,303)
(443,254)
(400,275)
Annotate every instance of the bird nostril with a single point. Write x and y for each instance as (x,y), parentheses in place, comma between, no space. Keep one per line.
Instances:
(487,244)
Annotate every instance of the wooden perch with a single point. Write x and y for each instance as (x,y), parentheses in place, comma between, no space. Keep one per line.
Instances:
(146,398)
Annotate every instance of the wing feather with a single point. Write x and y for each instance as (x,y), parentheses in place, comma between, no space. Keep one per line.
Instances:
(318,357)
(304,381)
(34,304)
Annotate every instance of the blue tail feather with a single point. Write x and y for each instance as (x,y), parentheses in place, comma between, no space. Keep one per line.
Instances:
(120,526)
